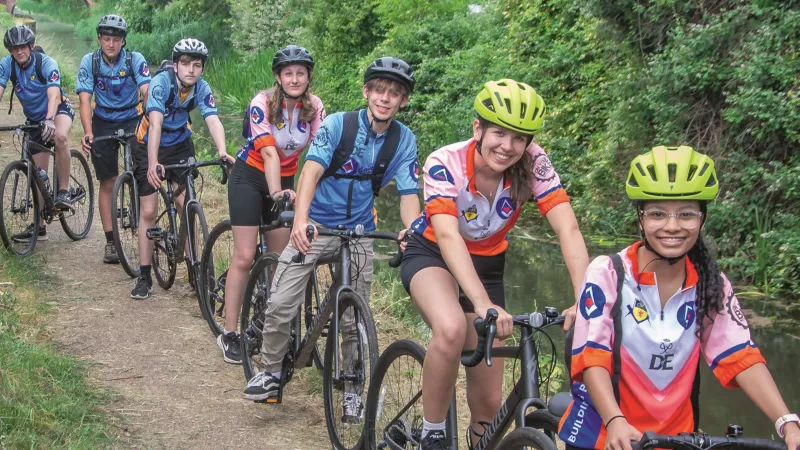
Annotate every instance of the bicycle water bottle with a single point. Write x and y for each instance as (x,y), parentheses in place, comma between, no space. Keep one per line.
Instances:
(45,180)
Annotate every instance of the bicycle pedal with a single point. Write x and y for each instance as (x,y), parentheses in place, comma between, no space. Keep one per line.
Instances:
(155,234)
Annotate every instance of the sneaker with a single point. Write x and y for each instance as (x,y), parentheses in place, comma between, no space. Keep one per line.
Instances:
(25,236)
(63,200)
(143,288)
(263,386)
(110,254)
(435,440)
(352,408)
(229,344)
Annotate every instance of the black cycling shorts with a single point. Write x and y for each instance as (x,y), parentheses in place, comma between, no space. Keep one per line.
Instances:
(249,201)
(170,154)
(64,109)
(105,154)
(421,253)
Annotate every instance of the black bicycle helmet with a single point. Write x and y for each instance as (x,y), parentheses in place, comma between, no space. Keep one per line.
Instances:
(17,36)
(391,68)
(291,54)
(112,25)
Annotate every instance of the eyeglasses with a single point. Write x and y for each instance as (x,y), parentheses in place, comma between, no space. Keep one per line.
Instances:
(686,219)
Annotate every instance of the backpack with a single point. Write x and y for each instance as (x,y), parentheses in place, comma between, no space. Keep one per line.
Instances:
(616,314)
(37,62)
(130,73)
(347,143)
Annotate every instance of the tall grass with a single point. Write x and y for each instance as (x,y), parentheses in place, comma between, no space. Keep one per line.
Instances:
(236,79)
(63,11)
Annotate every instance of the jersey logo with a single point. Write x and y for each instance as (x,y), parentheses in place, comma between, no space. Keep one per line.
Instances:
(592,301)
(413,170)
(100,84)
(662,361)
(639,311)
(144,70)
(280,125)
(505,207)
(471,213)
(735,311)
(210,102)
(440,173)
(686,314)
(256,114)
(18,87)
(302,126)
(543,168)
(122,72)
(350,166)
(54,76)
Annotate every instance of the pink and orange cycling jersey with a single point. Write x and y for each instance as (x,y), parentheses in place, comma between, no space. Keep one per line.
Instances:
(450,189)
(659,353)
(289,135)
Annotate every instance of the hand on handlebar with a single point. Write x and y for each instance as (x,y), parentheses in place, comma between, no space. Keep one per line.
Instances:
(504,322)
(299,236)
(86,143)
(620,434)
(569,316)
(281,195)
(401,237)
(228,159)
(154,175)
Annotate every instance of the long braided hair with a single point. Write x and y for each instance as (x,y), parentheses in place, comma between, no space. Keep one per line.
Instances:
(710,286)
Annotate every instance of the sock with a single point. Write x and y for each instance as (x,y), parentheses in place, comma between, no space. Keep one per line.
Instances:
(276,374)
(228,333)
(109,236)
(60,191)
(427,427)
(145,270)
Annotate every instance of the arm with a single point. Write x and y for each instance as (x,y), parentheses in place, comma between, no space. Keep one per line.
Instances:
(85,109)
(272,168)
(573,249)
(620,432)
(306,185)
(218,135)
(2,92)
(409,209)
(143,92)
(153,140)
(758,384)
(53,100)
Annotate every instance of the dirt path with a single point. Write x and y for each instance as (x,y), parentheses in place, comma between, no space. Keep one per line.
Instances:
(159,356)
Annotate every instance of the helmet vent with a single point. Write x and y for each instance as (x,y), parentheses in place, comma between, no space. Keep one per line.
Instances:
(523,108)
(632,181)
(712,181)
(703,170)
(639,168)
(652,171)
(671,169)
(692,171)
(488,104)
(499,99)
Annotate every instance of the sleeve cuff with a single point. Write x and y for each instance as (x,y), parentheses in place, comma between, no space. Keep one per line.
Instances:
(441,205)
(78,91)
(142,83)
(214,113)
(152,108)
(408,192)
(551,200)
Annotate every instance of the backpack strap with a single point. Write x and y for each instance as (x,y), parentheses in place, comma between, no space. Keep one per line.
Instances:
(388,150)
(129,64)
(96,65)
(617,316)
(346,143)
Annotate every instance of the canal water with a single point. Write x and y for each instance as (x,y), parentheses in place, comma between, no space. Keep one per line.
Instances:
(537,277)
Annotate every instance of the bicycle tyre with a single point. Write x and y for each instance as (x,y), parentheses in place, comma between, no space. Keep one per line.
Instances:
(341,435)
(405,433)
(8,200)
(213,269)
(125,226)
(254,306)
(526,438)
(79,173)
(196,218)
(325,279)
(164,265)
(544,421)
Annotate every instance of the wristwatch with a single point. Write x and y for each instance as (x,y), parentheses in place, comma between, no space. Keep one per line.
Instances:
(779,424)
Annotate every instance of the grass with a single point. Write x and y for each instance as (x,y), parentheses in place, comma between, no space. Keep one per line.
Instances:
(45,400)
(62,10)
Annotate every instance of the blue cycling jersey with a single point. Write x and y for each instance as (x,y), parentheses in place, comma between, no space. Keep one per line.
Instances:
(175,127)
(116,91)
(334,199)
(32,94)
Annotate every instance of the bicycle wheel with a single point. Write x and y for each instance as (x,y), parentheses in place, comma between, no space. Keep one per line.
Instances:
(344,394)
(19,208)
(526,438)
(396,387)
(78,221)
(125,212)
(197,224)
(164,261)
(317,291)
(214,264)
(254,309)
(544,421)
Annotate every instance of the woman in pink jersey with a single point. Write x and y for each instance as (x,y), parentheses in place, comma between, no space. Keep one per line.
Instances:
(474,192)
(647,314)
(282,122)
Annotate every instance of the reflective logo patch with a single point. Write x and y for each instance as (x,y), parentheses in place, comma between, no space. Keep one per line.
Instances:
(686,314)
(350,166)
(440,173)
(256,115)
(505,207)
(592,301)
(144,70)
(413,170)
(210,102)
(54,76)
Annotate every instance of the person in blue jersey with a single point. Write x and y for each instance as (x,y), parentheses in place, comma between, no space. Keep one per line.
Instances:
(335,191)
(164,137)
(116,77)
(37,85)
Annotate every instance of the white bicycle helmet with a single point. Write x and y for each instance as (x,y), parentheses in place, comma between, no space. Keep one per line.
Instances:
(190,46)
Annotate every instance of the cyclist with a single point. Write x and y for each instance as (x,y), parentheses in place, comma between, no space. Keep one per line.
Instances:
(282,121)
(115,77)
(38,87)
(344,198)
(668,316)
(164,137)
(474,192)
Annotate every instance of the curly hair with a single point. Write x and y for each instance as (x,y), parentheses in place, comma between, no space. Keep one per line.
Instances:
(710,285)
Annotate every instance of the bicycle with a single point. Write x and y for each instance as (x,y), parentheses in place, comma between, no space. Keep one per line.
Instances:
(169,240)
(22,191)
(702,441)
(341,373)
(396,391)
(125,207)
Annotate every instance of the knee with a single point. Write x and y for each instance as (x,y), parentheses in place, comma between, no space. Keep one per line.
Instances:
(147,212)
(448,337)
(61,140)
(242,258)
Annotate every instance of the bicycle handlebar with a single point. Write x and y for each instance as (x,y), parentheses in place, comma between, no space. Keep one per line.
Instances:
(487,329)
(352,233)
(120,136)
(694,441)
(24,127)
(191,163)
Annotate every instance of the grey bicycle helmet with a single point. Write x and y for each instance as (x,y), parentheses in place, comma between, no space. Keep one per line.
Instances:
(291,54)
(391,68)
(112,25)
(190,46)
(17,36)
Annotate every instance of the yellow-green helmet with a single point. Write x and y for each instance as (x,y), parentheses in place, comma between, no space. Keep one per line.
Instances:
(672,173)
(511,105)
